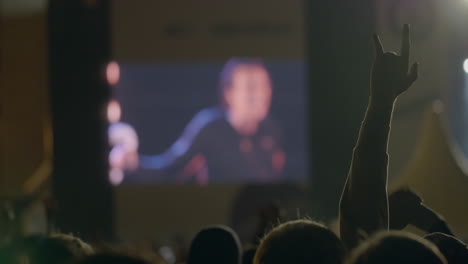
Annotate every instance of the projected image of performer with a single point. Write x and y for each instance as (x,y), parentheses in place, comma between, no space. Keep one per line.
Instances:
(233,142)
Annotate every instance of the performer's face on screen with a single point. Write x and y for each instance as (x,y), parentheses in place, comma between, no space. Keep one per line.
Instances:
(249,95)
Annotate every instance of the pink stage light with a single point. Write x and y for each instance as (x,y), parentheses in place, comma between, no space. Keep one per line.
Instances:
(113,73)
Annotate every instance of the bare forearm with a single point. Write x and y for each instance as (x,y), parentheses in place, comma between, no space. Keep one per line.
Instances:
(368,170)
(364,201)
(375,128)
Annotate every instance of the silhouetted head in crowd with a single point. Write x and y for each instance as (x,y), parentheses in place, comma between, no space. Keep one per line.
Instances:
(396,247)
(56,249)
(217,244)
(246,92)
(300,242)
(112,259)
(454,250)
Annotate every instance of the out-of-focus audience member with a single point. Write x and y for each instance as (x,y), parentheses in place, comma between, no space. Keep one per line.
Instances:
(145,250)
(396,247)
(455,251)
(218,244)
(300,242)
(38,249)
(112,259)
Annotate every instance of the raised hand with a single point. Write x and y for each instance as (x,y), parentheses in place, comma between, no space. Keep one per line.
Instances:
(364,203)
(403,207)
(390,75)
(406,207)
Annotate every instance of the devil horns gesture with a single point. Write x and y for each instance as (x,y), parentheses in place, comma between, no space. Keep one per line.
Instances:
(390,75)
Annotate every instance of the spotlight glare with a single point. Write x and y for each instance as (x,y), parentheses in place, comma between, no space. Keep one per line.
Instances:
(465,66)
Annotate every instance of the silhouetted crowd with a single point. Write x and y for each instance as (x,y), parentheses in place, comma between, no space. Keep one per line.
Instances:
(370,219)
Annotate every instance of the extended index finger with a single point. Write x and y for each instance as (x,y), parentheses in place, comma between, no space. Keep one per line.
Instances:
(405,44)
